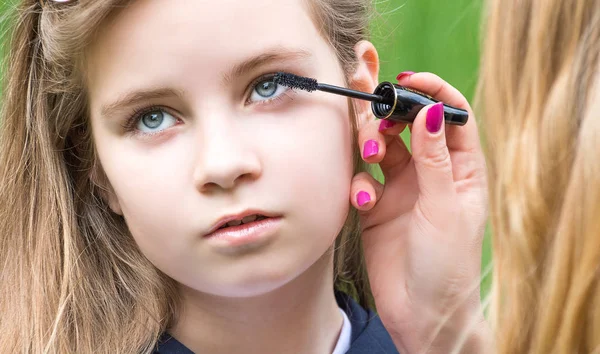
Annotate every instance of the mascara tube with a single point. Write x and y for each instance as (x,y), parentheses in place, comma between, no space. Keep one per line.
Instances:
(401,104)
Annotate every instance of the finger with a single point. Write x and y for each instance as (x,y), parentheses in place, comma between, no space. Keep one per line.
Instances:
(379,144)
(459,138)
(431,156)
(396,157)
(389,127)
(371,142)
(435,87)
(365,191)
(397,153)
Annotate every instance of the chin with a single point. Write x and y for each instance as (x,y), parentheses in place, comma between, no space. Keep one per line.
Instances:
(252,286)
(266,276)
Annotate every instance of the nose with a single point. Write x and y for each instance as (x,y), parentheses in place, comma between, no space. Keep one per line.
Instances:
(226,158)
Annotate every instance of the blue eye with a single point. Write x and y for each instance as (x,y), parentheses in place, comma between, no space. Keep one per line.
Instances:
(266,90)
(155,121)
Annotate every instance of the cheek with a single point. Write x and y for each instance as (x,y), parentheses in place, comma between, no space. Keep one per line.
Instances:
(147,185)
(139,179)
(313,163)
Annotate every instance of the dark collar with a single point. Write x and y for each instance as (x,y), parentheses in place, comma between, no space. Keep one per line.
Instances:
(369,336)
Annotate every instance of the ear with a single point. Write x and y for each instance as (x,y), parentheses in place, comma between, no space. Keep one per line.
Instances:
(365,78)
(106,192)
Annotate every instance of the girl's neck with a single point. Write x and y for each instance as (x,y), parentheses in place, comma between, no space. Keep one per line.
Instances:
(300,317)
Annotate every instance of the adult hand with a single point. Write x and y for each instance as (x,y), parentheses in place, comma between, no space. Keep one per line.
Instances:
(423,229)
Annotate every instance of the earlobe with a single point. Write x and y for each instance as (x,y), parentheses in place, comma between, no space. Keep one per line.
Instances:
(365,78)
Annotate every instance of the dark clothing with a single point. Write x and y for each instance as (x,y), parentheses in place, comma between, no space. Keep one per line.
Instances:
(369,336)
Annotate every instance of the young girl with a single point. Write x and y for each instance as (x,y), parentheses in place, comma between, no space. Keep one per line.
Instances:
(159,192)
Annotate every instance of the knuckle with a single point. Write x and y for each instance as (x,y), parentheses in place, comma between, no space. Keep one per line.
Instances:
(431,76)
(437,158)
(360,178)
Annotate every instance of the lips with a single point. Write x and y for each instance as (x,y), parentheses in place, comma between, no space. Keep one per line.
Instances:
(244,220)
(246,217)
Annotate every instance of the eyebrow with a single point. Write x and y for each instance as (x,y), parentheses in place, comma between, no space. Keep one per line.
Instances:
(136,96)
(273,55)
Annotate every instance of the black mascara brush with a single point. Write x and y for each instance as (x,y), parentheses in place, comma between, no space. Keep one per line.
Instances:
(388,101)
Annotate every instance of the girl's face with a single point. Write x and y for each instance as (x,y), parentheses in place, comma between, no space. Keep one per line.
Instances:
(189,129)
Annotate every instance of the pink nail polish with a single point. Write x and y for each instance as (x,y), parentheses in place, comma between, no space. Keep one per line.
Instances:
(386,124)
(371,148)
(362,198)
(404,74)
(435,117)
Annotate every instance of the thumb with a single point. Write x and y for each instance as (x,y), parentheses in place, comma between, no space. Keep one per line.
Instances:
(432,158)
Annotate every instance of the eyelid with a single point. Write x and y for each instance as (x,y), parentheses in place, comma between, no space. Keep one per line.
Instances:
(133,118)
(265,77)
(255,82)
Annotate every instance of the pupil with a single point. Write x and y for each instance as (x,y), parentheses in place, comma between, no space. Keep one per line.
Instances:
(153,120)
(266,88)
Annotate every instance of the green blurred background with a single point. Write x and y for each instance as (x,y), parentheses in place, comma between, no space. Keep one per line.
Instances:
(419,35)
(442,37)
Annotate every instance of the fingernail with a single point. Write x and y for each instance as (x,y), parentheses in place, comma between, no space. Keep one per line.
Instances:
(435,117)
(386,124)
(404,74)
(371,148)
(363,198)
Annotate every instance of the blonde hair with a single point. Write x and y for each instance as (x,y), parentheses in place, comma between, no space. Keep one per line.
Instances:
(540,98)
(72,279)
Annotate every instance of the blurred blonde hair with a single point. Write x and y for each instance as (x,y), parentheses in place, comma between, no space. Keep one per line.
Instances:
(540,99)
(72,279)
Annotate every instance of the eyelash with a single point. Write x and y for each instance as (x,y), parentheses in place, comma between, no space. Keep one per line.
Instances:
(258,80)
(138,113)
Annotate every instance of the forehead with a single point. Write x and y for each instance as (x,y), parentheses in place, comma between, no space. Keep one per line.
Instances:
(206,23)
(195,37)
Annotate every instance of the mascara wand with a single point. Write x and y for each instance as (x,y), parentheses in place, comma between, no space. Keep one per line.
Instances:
(310,85)
(388,101)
